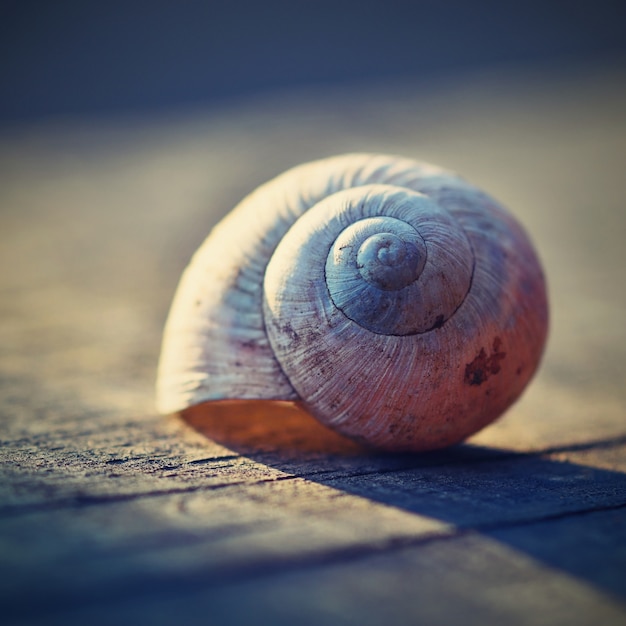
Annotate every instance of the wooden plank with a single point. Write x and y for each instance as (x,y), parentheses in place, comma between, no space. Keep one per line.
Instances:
(112,547)
(113,464)
(466,579)
(590,546)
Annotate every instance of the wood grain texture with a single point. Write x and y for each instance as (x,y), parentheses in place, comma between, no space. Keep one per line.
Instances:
(248,512)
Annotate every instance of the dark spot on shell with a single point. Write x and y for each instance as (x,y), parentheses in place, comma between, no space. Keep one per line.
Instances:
(334,404)
(483,366)
(290,332)
(439,321)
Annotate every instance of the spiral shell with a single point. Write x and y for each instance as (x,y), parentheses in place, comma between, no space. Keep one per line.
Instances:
(398,304)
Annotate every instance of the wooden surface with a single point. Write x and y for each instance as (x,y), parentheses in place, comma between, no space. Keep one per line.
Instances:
(252,513)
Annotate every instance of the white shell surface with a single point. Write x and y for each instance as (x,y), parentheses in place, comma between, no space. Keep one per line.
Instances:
(215,345)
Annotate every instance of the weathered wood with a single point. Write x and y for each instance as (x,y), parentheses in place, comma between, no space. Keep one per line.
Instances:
(243,513)
(466,578)
(469,580)
(253,524)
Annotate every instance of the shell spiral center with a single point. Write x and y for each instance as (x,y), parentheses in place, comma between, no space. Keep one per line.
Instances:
(388,262)
(404,269)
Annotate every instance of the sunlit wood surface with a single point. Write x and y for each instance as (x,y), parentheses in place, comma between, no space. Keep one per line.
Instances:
(253,514)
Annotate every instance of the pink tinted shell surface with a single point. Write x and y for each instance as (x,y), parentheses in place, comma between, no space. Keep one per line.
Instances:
(272,307)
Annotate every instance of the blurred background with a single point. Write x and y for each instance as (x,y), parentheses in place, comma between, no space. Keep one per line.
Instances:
(127,129)
(74,58)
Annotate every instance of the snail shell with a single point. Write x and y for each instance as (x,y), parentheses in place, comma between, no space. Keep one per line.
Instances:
(395,302)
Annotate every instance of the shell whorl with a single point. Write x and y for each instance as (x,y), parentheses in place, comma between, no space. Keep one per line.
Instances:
(396,302)
(398,264)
